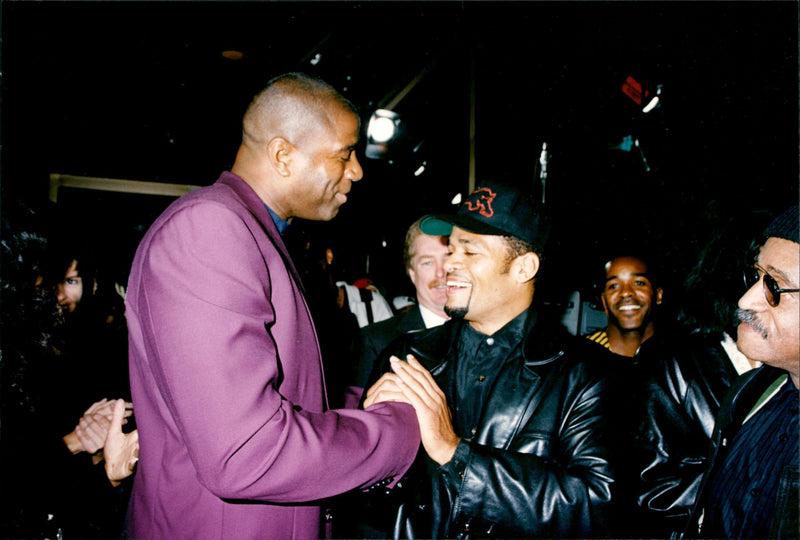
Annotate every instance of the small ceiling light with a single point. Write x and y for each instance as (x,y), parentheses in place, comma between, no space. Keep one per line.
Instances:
(233,55)
(315,59)
(456,200)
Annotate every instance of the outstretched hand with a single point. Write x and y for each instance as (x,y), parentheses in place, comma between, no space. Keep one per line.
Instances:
(413,384)
(121,449)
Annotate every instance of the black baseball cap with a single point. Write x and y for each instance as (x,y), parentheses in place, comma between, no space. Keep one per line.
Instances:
(494,209)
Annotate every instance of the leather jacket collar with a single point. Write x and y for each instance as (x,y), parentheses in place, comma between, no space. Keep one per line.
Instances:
(543,343)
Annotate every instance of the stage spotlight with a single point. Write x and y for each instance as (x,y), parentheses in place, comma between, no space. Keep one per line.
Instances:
(384,126)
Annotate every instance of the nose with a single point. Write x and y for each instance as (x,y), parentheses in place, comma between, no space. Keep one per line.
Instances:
(60,296)
(354,170)
(440,270)
(451,263)
(626,290)
(753,299)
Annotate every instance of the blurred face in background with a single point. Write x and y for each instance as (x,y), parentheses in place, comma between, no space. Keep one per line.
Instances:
(427,272)
(70,290)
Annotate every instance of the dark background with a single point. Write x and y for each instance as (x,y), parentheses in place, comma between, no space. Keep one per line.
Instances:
(141,91)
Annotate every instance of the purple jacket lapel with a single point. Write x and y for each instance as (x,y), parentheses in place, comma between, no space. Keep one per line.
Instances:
(259,210)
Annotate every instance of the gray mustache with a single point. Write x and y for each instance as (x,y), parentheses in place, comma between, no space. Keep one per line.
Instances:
(749,317)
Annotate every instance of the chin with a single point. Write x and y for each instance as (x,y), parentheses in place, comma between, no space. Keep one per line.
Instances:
(327,215)
(456,312)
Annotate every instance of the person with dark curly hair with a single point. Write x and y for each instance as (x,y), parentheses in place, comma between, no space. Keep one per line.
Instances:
(53,418)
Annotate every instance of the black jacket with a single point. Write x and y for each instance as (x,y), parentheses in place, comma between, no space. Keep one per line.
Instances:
(744,393)
(374,338)
(539,463)
(671,393)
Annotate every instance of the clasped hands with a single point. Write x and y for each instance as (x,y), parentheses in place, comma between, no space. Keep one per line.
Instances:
(411,383)
(100,428)
(90,433)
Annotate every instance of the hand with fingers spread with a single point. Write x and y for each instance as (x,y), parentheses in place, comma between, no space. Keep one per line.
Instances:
(121,449)
(413,384)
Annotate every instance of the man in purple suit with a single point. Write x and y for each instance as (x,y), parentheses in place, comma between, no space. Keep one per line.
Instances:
(236,439)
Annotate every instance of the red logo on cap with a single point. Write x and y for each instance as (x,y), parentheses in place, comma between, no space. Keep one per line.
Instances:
(480,200)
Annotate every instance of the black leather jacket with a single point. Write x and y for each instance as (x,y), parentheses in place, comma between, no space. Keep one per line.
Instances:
(671,393)
(539,463)
(742,397)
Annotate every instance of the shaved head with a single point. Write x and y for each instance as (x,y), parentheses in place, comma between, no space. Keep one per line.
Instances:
(291,106)
(298,150)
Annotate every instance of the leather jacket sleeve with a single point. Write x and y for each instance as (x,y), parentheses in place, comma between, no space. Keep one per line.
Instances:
(681,385)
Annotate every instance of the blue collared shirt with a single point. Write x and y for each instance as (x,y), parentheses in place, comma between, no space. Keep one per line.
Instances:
(279,222)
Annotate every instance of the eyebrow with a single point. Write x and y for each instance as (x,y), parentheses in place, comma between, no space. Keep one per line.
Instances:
(771,270)
(461,240)
(641,274)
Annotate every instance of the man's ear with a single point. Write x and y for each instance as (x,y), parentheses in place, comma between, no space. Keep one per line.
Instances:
(659,295)
(279,155)
(526,267)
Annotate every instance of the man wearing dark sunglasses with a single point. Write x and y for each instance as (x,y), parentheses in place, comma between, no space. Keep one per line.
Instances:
(751,490)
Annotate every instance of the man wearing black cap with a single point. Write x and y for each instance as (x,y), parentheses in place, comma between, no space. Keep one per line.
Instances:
(512,410)
(751,490)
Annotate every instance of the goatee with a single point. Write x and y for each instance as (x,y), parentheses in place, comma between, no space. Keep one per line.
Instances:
(455,312)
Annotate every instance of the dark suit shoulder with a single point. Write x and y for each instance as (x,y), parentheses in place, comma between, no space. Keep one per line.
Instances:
(407,321)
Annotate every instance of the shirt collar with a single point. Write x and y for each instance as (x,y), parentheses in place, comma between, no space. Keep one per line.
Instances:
(512,333)
(430,318)
(279,222)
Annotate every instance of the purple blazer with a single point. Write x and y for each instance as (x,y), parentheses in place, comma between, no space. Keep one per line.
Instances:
(227,384)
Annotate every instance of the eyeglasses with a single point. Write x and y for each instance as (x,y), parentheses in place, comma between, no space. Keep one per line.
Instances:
(771,290)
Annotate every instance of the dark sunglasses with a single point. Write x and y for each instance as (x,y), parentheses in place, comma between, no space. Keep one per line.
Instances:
(771,290)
